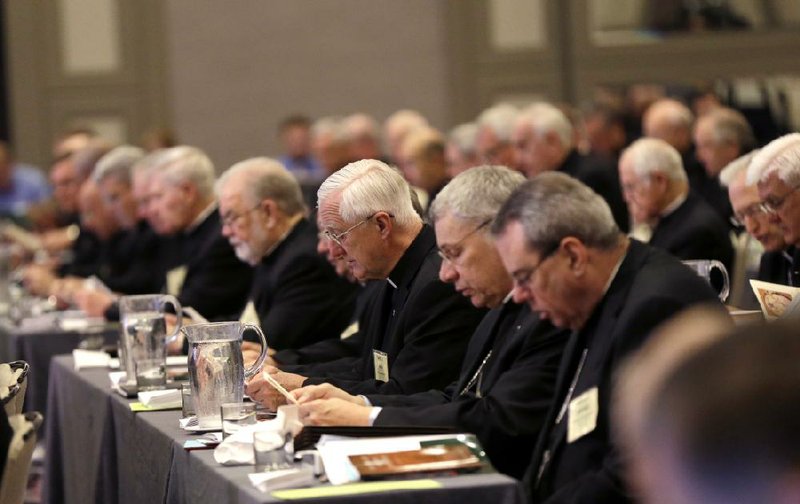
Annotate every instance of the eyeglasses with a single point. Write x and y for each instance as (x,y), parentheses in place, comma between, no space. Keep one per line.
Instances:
(753,211)
(231,218)
(772,205)
(523,278)
(338,238)
(453,257)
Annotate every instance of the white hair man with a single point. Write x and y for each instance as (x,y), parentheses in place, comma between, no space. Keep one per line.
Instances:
(505,407)
(203,270)
(572,265)
(417,329)
(460,150)
(658,197)
(749,213)
(493,144)
(330,144)
(397,126)
(137,250)
(543,136)
(776,170)
(670,120)
(720,136)
(297,296)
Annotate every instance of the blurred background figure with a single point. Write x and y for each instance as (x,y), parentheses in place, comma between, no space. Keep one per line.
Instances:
(604,126)
(670,120)
(294,133)
(722,425)
(422,162)
(720,136)
(460,150)
(21,186)
(364,135)
(397,126)
(493,144)
(330,146)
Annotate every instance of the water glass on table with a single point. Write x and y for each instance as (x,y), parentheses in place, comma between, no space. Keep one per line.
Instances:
(270,453)
(187,405)
(151,374)
(235,416)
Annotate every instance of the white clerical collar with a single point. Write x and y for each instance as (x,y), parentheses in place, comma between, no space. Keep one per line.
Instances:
(212,207)
(391,282)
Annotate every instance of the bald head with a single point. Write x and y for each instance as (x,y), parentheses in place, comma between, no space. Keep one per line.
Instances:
(671,121)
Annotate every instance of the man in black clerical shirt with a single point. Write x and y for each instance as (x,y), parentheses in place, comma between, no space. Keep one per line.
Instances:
(417,329)
(297,297)
(507,377)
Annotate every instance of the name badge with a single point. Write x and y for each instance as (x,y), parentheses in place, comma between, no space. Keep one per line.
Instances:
(175,278)
(381,364)
(582,415)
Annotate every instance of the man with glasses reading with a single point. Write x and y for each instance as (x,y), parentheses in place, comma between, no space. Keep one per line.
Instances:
(297,298)
(417,328)
(776,171)
(572,265)
(508,374)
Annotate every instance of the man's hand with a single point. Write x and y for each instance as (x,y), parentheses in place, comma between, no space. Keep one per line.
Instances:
(260,390)
(324,391)
(38,279)
(334,412)
(93,302)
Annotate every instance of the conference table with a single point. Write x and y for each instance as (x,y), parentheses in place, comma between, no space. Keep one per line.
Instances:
(37,345)
(98,450)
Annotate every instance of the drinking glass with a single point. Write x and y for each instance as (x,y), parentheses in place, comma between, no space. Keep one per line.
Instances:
(269,450)
(235,416)
(151,374)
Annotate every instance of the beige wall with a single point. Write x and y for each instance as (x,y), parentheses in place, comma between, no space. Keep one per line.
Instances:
(236,68)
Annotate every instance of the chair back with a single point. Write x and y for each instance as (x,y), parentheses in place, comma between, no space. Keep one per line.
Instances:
(16,382)
(20,454)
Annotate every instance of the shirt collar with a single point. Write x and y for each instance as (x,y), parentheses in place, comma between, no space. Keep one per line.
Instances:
(677,202)
(406,268)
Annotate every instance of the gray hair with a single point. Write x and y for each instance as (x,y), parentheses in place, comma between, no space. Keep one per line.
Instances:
(187,164)
(780,156)
(85,159)
(360,124)
(729,126)
(736,167)
(265,178)
(332,126)
(553,206)
(651,155)
(118,163)
(476,194)
(463,137)
(500,120)
(544,118)
(368,186)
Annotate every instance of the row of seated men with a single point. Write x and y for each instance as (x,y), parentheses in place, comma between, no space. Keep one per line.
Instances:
(413,330)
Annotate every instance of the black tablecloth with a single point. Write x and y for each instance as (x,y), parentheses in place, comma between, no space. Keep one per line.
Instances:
(99,451)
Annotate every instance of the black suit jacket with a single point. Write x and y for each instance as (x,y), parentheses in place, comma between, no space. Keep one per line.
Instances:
(694,231)
(297,294)
(135,266)
(779,267)
(516,388)
(302,360)
(603,177)
(650,287)
(216,282)
(423,326)
(712,192)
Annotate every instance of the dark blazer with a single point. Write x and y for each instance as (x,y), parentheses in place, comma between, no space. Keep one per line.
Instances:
(135,265)
(603,177)
(85,256)
(779,267)
(300,360)
(712,192)
(649,288)
(516,388)
(694,231)
(423,325)
(297,294)
(217,282)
